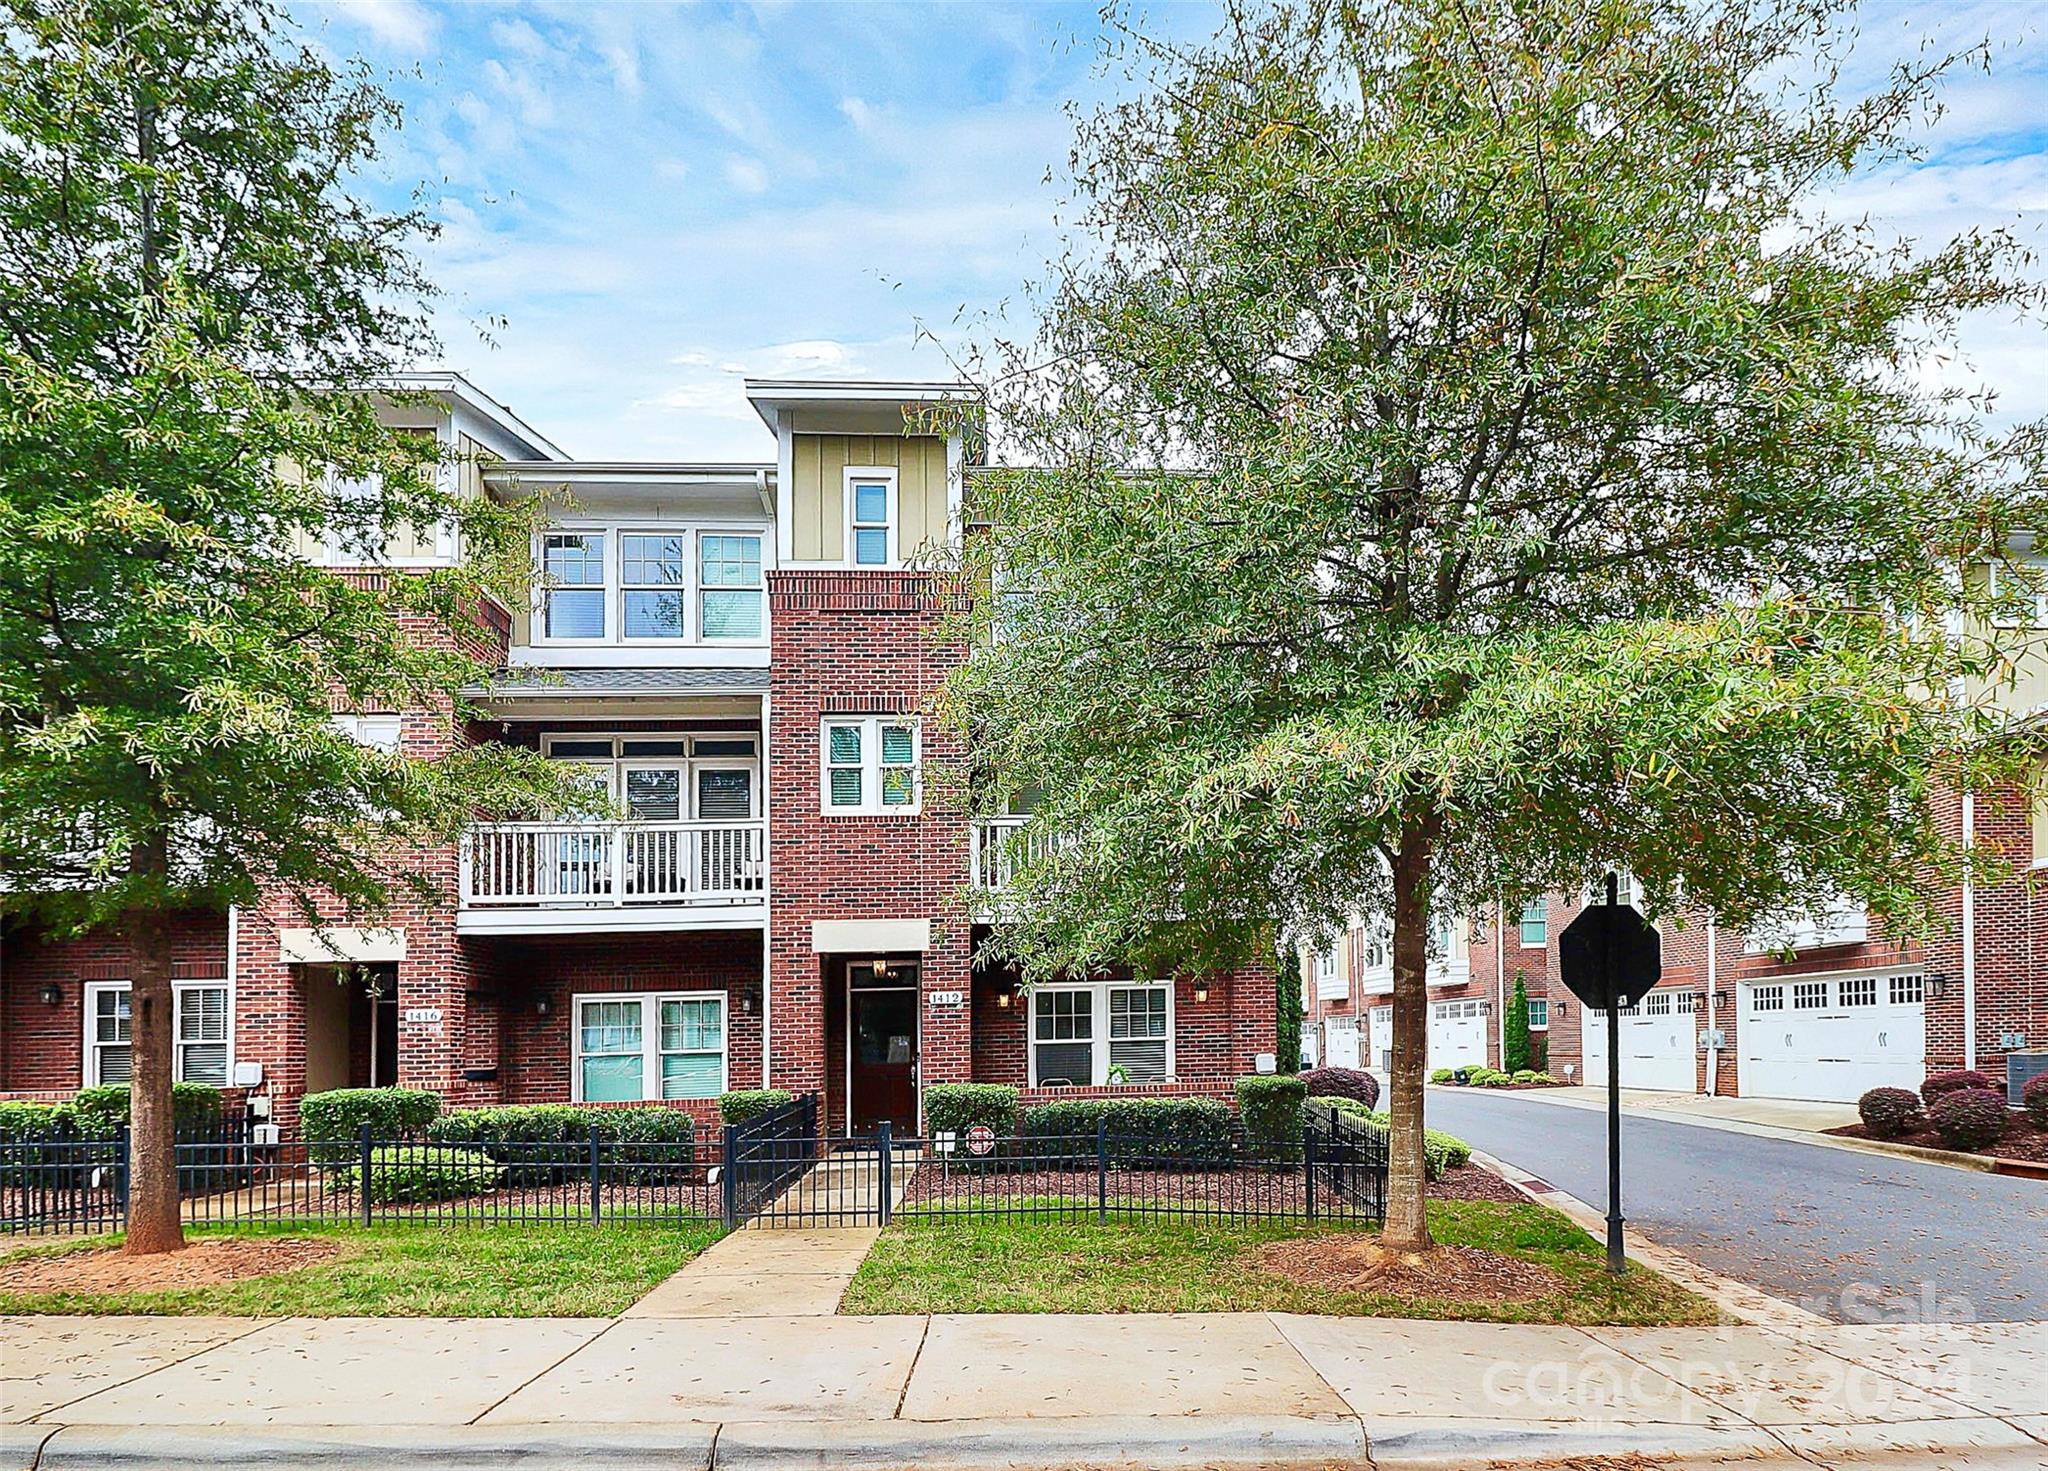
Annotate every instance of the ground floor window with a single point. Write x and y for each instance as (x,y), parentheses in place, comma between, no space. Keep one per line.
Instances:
(1096,1034)
(199,1039)
(1539,1013)
(636,1048)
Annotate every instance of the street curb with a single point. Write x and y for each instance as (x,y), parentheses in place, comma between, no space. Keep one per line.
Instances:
(788,1445)
(1025,1444)
(1451,1446)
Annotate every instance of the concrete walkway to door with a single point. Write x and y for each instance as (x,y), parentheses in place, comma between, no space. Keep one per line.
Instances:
(796,1257)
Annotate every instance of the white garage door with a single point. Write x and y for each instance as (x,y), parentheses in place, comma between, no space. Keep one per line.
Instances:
(1831,1038)
(1657,1043)
(1340,1043)
(1457,1034)
(1380,1038)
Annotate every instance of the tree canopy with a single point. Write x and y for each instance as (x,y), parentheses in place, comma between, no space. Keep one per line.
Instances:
(1457,456)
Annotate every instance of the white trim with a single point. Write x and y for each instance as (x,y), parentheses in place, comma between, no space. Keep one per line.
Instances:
(650,1039)
(767,888)
(870,936)
(340,945)
(1969,935)
(870,473)
(88,1063)
(1099,1038)
(871,766)
(1542,944)
(614,530)
(1535,1025)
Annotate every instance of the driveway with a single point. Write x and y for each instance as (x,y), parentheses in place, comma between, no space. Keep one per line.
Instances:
(1853,1236)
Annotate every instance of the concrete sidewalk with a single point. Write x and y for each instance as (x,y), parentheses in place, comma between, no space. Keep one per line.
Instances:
(1244,1389)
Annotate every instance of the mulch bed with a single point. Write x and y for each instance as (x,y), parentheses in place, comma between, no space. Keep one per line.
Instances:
(1462,1274)
(2022,1140)
(203,1264)
(1474,1182)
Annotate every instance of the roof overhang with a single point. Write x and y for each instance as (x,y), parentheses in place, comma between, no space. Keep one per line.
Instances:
(849,406)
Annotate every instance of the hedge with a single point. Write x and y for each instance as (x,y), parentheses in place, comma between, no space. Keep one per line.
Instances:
(2034,1098)
(104,1109)
(1890,1112)
(1968,1118)
(1440,1151)
(1270,1105)
(744,1104)
(538,1143)
(954,1108)
(1956,1082)
(1342,1082)
(333,1121)
(407,1174)
(1140,1129)
(34,1122)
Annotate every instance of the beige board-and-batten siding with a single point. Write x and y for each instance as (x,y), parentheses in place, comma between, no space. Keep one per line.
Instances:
(818,499)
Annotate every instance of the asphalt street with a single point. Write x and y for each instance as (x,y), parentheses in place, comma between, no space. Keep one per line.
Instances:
(1856,1237)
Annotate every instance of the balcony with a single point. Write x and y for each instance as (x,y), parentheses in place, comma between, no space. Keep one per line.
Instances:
(999,852)
(1843,924)
(567,877)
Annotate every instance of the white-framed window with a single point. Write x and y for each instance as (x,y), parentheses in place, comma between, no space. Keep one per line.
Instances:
(870,765)
(201,1032)
(1080,1033)
(1628,889)
(654,578)
(1809,995)
(378,732)
(1657,1003)
(1907,990)
(1767,998)
(1536,923)
(665,777)
(1330,984)
(2030,589)
(871,521)
(1539,1014)
(1688,1003)
(1859,991)
(731,596)
(573,593)
(634,1047)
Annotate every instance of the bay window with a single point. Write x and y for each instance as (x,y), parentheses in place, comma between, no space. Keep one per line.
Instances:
(646,1047)
(626,584)
(1091,1035)
(652,579)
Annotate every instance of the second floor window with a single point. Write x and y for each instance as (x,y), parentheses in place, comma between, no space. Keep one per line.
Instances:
(730,575)
(871,765)
(870,519)
(573,565)
(1536,923)
(652,575)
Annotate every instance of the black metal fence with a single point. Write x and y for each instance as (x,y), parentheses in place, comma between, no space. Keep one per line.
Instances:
(779,1169)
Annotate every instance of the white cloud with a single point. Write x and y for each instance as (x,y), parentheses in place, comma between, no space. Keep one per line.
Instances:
(746,175)
(403,25)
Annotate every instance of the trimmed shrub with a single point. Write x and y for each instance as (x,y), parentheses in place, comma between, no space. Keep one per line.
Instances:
(1443,1075)
(1342,1082)
(1524,1075)
(1140,1129)
(1486,1077)
(545,1143)
(2034,1098)
(333,1121)
(410,1174)
(1270,1105)
(1514,1046)
(1440,1151)
(744,1104)
(1956,1082)
(1890,1112)
(101,1111)
(652,1145)
(1968,1118)
(954,1108)
(20,1122)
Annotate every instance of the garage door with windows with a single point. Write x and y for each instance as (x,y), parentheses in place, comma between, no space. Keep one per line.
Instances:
(1830,1039)
(1658,1039)
(1457,1034)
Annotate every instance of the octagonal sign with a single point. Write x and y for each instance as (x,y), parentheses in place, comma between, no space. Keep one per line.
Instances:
(1610,956)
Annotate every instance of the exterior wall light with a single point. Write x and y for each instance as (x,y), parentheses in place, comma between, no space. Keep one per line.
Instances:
(53,994)
(1202,990)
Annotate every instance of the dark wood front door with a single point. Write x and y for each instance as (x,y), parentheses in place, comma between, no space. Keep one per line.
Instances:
(882,1069)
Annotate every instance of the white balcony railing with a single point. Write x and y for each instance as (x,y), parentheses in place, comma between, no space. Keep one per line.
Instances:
(1845,924)
(999,851)
(592,865)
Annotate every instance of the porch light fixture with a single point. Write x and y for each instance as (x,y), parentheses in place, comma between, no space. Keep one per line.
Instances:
(1937,985)
(880,968)
(1201,990)
(1557,1007)
(53,994)
(1004,997)
(541,1005)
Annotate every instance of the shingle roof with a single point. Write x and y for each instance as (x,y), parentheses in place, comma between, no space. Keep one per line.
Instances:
(617,681)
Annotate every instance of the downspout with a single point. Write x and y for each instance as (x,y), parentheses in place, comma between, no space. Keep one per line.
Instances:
(1500,978)
(1713,1018)
(1969,934)
(767,894)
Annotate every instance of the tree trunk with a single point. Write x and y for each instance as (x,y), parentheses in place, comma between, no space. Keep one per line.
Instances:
(1407,1227)
(153,1217)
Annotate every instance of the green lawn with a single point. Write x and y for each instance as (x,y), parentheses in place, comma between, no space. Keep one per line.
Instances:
(422,1271)
(1151,1266)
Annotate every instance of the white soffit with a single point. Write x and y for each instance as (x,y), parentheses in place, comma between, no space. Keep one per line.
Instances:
(869,936)
(339,945)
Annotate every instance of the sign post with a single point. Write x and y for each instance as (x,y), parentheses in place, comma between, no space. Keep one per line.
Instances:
(1611,957)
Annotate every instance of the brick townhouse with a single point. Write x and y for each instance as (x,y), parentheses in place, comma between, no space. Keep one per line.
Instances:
(740,655)
(1823,1007)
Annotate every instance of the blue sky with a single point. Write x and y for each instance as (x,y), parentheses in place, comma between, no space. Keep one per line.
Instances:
(646,201)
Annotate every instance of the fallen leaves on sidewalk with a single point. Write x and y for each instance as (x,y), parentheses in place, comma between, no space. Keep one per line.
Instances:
(203,1264)
(1446,1274)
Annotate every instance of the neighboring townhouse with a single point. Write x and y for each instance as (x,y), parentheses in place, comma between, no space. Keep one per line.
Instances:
(739,654)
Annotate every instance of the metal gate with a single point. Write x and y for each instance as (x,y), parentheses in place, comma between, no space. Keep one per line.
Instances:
(781,1170)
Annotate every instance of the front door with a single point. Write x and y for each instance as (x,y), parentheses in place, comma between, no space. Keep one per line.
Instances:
(882,1049)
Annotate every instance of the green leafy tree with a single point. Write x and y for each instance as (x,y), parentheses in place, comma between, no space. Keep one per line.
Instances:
(193,310)
(1463,457)
(1287,1019)
(1514,1041)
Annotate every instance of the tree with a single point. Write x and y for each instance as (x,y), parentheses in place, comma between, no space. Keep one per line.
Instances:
(1287,1006)
(1514,1041)
(1462,457)
(193,314)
